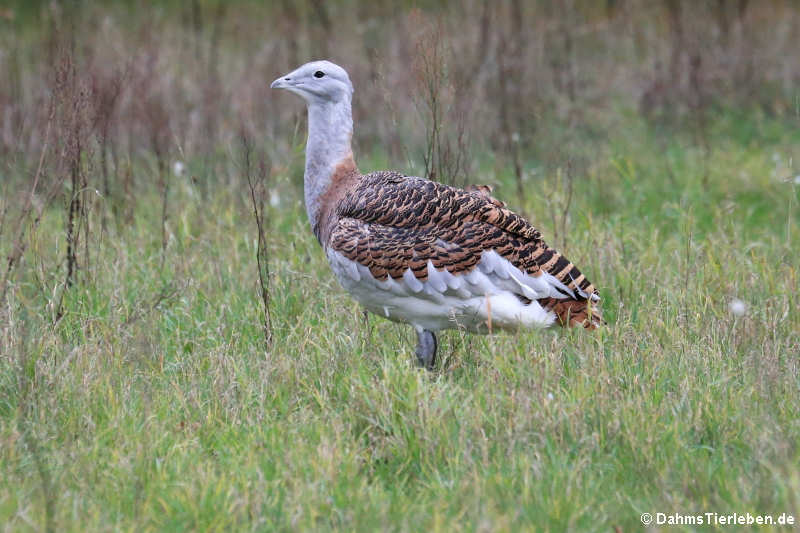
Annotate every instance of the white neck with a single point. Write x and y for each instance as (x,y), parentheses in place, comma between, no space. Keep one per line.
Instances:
(330,128)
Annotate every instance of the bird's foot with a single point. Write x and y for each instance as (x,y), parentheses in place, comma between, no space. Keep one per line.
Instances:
(426,348)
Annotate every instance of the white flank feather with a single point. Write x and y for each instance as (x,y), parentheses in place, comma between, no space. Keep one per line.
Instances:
(448,301)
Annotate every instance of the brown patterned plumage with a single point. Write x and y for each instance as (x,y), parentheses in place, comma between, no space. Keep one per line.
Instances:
(578,313)
(389,223)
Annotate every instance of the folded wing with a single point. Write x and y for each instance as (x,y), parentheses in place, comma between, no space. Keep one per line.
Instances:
(410,228)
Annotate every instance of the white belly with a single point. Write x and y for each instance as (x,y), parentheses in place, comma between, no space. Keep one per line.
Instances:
(483,299)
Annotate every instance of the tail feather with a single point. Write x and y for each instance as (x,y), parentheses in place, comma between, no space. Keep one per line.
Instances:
(575,313)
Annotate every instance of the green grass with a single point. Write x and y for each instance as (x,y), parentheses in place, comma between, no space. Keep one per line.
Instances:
(136,414)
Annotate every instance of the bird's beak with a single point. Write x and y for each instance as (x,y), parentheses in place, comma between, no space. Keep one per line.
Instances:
(292,82)
(280,83)
(287,81)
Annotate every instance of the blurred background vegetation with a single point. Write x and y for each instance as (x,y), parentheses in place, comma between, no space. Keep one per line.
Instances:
(524,80)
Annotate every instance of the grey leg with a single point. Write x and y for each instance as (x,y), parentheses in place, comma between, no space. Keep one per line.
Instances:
(426,348)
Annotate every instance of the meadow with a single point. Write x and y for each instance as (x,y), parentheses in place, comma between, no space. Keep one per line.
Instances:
(139,390)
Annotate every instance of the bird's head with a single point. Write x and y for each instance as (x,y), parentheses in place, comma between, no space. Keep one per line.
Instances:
(317,82)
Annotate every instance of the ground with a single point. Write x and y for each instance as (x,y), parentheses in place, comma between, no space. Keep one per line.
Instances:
(153,403)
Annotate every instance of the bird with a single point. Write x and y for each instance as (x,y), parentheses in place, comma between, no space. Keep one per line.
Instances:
(420,252)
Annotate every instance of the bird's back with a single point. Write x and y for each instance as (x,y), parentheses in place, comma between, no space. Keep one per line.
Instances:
(447,245)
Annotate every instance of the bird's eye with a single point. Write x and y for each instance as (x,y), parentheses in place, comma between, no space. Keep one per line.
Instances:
(319,74)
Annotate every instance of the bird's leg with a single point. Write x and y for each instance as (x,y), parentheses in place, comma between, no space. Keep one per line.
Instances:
(426,348)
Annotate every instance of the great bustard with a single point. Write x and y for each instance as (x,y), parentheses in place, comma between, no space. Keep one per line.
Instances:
(416,251)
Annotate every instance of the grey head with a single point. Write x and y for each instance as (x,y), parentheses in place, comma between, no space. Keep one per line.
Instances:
(317,82)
